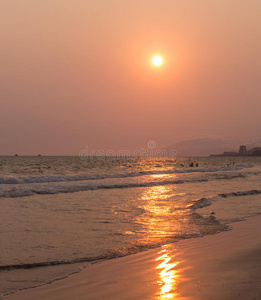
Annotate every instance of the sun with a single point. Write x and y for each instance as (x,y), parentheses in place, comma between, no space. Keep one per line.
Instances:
(157,60)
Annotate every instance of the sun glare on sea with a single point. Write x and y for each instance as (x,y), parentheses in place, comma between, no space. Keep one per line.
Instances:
(157,60)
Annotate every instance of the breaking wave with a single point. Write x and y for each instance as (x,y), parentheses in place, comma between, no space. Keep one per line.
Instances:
(64,178)
(57,189)
(244,193)
(215,227)
(202,202)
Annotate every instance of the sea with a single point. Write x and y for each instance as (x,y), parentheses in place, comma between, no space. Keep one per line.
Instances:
(60,214)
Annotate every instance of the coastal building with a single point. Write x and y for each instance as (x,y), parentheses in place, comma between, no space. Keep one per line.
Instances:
(230,153)
(254,151)
(242,150)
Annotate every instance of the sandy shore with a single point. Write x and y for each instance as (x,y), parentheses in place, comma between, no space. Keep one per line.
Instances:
(218,267)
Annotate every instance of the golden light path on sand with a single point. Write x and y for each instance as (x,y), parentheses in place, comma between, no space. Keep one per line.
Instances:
(168,275)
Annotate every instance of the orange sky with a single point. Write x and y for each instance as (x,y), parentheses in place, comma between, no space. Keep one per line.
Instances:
(78,73)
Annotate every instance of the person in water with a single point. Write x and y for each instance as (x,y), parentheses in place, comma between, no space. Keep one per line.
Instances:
(192,164)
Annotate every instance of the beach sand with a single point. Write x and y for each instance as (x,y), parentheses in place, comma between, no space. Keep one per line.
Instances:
(216,267)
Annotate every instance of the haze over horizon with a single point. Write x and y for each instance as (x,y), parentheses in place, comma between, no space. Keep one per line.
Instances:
(78,74)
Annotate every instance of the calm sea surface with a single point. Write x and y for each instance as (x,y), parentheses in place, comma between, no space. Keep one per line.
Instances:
(60,213)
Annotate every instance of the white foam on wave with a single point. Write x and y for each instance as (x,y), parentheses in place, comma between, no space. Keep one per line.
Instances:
(10,180)
(200,203)
(64,178)
(243,193)
(203,202)
(22,191)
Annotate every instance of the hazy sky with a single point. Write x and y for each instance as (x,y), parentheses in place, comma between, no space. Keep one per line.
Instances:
(77,73)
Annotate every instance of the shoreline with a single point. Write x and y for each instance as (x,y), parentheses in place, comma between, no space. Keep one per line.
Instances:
(220,267)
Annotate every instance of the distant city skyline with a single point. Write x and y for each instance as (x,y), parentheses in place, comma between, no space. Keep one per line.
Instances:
(207,146)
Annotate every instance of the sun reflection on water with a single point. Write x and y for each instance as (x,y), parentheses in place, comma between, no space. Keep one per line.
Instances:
(159,220)
(168,275)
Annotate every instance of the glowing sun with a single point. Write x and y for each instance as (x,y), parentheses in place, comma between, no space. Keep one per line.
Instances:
(157,60)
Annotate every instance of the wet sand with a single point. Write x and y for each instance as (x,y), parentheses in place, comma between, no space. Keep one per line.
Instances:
(217,267)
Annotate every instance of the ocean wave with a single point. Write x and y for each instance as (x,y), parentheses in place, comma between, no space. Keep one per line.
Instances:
(46,264)
(203,202)
(24,191)
(135,247)
(57,189)
(67,178)
(225,176)
(244,193)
